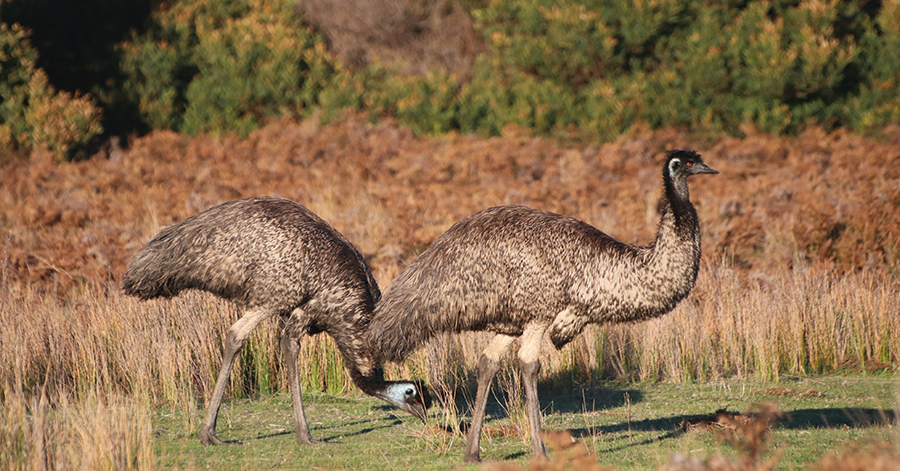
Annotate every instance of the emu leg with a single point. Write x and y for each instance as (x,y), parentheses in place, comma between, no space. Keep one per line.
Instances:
(530,365)
(237,333)
(487,368)
(291,350)
(533,407)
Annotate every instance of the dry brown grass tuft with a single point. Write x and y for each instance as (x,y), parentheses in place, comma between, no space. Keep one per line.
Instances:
(91,434)
(786,391)
(877,456)
(564,452)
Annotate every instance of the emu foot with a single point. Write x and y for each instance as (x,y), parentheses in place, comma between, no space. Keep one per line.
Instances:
(208,437)
(308,440)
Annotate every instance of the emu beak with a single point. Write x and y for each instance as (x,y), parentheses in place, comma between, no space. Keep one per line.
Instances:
(419,405)
(418,410)
(702,168)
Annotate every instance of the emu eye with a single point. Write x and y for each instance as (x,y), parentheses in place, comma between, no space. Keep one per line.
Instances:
(690,164)
(410,392)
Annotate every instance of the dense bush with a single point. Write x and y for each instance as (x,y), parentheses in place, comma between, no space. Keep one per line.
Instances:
(210,66)
(32,113)
(715,66)
(603,66)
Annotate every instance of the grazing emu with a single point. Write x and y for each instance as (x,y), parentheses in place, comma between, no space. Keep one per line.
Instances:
(274,257)
(521,272)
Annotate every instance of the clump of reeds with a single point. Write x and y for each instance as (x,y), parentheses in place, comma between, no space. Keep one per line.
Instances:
(38,432)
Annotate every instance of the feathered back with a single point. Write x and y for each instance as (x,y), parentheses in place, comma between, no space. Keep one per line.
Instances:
(490,271)
(253,251)
(501,268)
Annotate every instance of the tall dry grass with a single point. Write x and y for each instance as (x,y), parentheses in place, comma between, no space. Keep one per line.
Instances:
(80,376)
(58,432)
(98,342)
(802,322)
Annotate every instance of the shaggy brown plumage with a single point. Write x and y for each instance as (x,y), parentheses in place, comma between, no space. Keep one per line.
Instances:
(273,257)
(525,273)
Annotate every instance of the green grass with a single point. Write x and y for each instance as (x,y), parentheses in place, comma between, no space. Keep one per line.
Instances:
(627,425)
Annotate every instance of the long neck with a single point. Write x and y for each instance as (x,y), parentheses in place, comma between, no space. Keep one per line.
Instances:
(365,372)
(674,258)
(679,203)
(369,380)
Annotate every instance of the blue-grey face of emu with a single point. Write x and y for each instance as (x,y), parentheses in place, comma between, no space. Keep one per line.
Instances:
(411,397)
(683,163)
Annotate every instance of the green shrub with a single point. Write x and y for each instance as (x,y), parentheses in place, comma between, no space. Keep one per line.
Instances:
(209,66)
(714,66)
(497,96)
(32,113)
(878,101)
(204,66)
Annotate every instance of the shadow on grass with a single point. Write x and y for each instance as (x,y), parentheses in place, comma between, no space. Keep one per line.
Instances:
(851,417)
(675,426)
(392,421)
(590,399)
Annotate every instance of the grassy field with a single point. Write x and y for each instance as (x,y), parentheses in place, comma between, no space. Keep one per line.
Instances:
(104,381)
(626,425)
(796,303)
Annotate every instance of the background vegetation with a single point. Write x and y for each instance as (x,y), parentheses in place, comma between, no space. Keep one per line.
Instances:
(799,278)
(584,67)
(393,119)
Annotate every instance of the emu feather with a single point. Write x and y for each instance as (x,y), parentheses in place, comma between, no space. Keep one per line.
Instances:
(274,257)
(522,272)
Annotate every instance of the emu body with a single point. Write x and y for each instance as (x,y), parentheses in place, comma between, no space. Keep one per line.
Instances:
(528,274)
(273,257)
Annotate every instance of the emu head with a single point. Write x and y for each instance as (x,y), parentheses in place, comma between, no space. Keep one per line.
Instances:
(682,163)
(410,396)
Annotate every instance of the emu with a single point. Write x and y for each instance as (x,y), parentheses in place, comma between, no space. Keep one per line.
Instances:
(524,273)
(274,257)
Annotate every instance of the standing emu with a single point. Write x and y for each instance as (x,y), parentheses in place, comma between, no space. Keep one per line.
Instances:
(274,257)
(521,272)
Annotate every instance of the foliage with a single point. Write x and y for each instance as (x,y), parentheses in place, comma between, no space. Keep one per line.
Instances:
(32,112)
(706,66)
(214,67)
(605,66)
(596,66)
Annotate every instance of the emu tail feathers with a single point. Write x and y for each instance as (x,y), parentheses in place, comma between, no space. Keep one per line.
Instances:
(398,330)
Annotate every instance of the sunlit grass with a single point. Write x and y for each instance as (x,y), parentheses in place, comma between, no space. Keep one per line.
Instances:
(100,359)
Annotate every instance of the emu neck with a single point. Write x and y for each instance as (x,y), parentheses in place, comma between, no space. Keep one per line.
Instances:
(674,258)
(367,375)
(679,203)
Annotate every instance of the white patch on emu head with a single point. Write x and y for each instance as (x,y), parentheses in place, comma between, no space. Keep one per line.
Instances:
(674,165)
(401,394)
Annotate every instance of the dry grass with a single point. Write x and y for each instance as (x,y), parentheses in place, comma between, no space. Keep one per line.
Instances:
(800,272)
(113,433)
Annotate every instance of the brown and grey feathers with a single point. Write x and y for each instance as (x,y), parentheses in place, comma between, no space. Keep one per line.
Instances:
(255,252)
(503,267)
(273,254)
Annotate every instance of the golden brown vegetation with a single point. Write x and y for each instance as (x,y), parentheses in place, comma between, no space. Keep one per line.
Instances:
(800,271)
(823,201)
